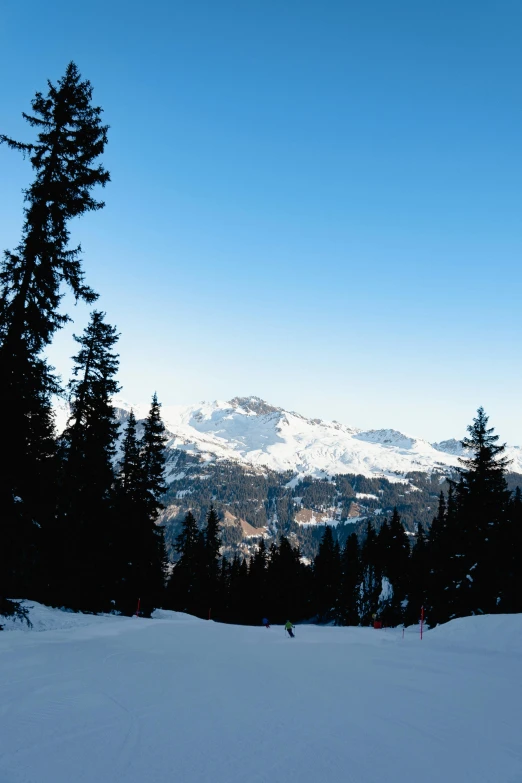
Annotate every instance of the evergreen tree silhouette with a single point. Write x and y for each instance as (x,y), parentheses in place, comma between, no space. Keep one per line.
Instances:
(509,556)
(287,588)
(257,589)
(396,570)
(238,608)
(370,586)
(418,578)
(149,554)
(184,586)
(382,551)
(130,465)
(347,613)
(439,562)
(127,506)
(481,514)
(141,550)
(211,562)
(86,539)
(327,577)
(70,136)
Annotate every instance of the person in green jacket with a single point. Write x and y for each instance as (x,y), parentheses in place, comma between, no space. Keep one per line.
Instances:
(288,628)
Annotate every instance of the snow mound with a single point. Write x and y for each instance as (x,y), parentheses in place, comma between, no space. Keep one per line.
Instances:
(175,617)
(45,618)
(496,633)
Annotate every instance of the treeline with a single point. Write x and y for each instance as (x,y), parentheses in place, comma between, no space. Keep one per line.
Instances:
(273,583)
(467,563)
(264,499)
(77,523)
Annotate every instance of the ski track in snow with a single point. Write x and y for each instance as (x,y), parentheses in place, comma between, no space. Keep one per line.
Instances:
(181,699)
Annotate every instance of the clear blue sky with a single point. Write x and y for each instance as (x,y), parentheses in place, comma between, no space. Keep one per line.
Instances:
(315,202)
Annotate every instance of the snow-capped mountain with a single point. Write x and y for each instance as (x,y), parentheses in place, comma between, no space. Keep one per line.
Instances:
(249,431)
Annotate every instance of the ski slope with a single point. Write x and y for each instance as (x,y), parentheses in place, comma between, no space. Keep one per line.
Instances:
(104,700)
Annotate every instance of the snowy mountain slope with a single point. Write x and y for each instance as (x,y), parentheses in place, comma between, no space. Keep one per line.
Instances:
(254,433)
(181,699)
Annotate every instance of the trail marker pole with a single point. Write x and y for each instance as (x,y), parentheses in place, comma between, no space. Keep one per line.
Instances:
(138,608)
(421,621)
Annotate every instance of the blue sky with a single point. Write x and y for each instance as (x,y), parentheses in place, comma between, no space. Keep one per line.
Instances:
(318,203)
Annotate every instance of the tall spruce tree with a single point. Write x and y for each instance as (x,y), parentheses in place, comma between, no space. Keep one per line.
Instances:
(370,585)
(127,513)
(184,586)
(482,514)
(396,569)
(138,537)
(347,611)
(257,583)
(418,578)
(70,136)
(288,589)
(130,465)
(439,561)
(327,577)
(510,543)
(85,540)
(148,545)
(238,609)
(211,562)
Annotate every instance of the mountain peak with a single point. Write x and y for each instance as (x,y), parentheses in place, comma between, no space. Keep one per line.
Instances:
(253,405)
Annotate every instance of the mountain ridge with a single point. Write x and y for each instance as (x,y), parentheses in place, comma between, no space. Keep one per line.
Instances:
(252,432)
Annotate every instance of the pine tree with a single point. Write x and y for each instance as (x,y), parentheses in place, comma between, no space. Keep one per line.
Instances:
(224,589)
(127,514)
(439,562)
(396,570)
(149,556)
(85,540)
(510,554)
(288,589)
(211,560)
(418,578)
(382,550)
(257,583)
(70,137)
(347,613)
(184,587)
(482,512)
(130,465)
(238,607)
(137,536)
(327,577)
(153,459)
(370,585)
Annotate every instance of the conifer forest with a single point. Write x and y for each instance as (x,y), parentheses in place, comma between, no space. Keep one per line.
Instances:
(80,509)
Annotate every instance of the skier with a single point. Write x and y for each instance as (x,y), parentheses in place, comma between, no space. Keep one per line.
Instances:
(266,623)
(288,628)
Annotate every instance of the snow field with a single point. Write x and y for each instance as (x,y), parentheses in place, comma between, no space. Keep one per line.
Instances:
(100,700)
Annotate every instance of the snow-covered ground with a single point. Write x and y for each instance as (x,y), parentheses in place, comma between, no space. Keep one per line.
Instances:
(101,700)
